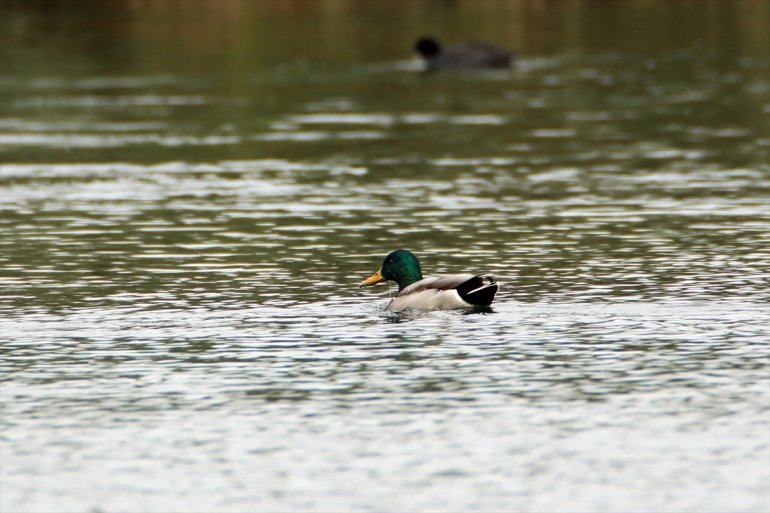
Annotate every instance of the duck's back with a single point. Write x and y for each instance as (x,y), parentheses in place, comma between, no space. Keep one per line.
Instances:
(475,55)
(445,292)
(441,282)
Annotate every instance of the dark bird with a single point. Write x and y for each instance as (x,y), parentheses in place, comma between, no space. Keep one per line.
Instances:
(473,55)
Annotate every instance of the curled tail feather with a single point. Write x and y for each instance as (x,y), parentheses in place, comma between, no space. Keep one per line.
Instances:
(478,292)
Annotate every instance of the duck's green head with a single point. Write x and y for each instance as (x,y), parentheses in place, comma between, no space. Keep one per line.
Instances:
(400,266)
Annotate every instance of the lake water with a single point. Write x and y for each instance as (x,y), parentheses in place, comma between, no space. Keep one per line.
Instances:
(191,193)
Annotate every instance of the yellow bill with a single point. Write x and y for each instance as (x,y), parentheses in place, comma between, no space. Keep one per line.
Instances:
(371,280)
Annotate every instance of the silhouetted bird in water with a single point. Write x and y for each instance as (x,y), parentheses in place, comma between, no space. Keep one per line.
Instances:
(473,55)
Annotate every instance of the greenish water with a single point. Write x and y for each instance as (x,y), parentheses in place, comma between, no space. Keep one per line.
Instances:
(191,192)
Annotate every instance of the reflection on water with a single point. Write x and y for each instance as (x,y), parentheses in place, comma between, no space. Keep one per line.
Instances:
(182,239)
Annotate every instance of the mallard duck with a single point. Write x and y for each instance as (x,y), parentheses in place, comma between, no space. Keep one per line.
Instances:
(443,292)
(463,56)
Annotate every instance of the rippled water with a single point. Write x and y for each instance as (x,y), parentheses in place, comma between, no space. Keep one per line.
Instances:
(181,325)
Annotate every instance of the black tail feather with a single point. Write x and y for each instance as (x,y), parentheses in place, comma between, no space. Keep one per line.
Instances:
(476,292)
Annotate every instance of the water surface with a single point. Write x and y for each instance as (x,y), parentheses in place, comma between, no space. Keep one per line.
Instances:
(186,215)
